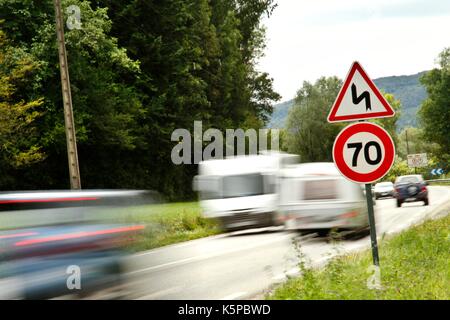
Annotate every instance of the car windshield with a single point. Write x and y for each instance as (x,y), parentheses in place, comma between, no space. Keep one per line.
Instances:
(243,185)
(408,179)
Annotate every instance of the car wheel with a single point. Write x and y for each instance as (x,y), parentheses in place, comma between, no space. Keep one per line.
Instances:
(426,201)
(399,203)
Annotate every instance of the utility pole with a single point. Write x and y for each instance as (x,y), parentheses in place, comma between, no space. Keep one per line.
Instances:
(71,141)
(407,148)
(407,144)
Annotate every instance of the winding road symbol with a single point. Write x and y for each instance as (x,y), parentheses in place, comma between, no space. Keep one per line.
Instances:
(364,96)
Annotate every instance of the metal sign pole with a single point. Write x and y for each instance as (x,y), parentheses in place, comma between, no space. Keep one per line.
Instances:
(373,234)
(72,154)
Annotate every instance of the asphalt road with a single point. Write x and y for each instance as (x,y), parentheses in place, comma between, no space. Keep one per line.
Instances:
(243,265)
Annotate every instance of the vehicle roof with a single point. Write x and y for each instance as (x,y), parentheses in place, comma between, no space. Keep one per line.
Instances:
(411,175)
(62,194)
(244,164)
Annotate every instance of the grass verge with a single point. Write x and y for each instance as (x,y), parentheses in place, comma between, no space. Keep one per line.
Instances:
(415,264)
(169,223)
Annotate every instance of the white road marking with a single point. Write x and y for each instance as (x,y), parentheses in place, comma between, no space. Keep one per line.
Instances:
(211,255)
(234,296)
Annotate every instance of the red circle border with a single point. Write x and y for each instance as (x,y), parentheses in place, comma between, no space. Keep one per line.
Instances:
(345,134)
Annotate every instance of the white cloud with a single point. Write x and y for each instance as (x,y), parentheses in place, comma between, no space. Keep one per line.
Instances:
(301,46)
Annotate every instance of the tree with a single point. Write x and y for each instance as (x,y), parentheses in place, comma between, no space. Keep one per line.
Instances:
(434,113)
(139,70)
(198,62)
(416,143)
(399,168)
(107,110)
(18,139)
(308,132)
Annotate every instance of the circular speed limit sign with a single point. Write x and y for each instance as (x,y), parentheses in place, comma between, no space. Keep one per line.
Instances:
(363,152)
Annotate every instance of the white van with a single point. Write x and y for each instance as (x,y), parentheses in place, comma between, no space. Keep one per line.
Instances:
(316,197)
(242,191)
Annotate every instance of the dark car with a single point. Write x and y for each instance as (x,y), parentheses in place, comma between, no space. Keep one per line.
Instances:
(384,189)
(410,188)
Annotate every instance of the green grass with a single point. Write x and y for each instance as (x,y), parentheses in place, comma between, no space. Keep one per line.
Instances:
(415,264)
(169,223)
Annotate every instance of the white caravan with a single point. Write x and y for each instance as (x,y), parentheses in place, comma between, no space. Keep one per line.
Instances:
(316,197)
(242,191)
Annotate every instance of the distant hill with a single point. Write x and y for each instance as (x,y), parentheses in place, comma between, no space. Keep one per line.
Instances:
(405,88)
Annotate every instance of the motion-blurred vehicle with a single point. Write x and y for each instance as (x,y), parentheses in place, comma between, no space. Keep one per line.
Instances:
(411,188)
(316,197)
(384,189)
(54,237)
(241,192)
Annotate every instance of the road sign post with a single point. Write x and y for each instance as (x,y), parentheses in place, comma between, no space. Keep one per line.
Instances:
(373,232)
(363,152)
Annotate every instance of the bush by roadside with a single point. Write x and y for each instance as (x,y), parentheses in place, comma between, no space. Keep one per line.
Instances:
(169,223)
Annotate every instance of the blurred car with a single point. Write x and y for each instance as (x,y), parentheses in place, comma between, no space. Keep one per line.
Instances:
(411,188)
(48,236)
(316,197)
(384,189)
(37,262)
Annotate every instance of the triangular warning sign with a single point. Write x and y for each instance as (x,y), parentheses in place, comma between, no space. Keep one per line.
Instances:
(359,99)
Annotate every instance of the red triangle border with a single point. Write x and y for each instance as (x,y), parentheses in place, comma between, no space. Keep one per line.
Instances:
(332,115)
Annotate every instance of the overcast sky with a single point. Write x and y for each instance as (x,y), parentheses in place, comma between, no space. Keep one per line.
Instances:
(307,39)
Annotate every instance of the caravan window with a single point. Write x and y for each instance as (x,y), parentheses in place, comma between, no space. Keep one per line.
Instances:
(320,190)
(243,185)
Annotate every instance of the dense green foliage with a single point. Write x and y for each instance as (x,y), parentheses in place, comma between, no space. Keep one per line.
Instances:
(138,71)
(18,113)
(435,110)
(407,89)
(414,265)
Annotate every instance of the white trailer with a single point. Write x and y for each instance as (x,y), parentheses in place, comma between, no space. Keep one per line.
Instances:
(316,197)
